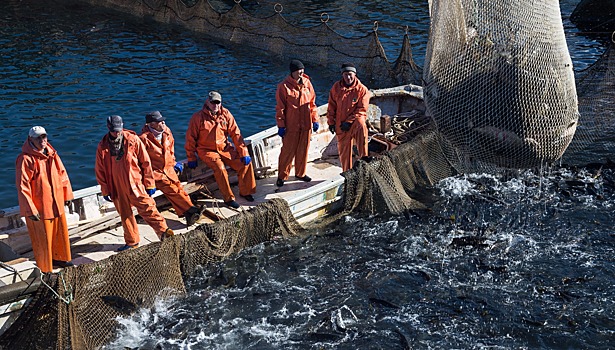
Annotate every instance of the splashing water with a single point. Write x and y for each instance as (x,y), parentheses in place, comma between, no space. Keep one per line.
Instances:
(500,263)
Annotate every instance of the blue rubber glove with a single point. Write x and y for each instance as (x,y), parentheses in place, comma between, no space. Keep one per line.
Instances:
(179,167)
(193,164)
(332,129)
(246,160)
(108,198)
(150,191)
(315,127)
(281,132)
(345,126)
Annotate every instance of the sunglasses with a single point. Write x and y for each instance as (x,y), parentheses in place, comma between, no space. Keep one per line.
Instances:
(215,102)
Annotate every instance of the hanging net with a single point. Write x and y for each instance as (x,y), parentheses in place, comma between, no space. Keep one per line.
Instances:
(499,82)
(319,45)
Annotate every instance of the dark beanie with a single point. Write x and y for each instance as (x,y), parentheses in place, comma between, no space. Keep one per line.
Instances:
(295,65)
(348,67)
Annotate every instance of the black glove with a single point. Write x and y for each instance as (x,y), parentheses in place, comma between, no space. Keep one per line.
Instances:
(345,126)
(332,129)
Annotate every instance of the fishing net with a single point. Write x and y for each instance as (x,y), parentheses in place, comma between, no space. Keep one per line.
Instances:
(499,82)
(387,184)
(319,45)
(80,307)
(593,142)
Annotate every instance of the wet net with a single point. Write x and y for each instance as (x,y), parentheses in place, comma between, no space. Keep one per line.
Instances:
(499,82)
(319,45)
(389,184)
(593,142)
(80,307)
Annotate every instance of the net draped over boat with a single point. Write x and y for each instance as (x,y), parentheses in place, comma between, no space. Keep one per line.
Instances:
(527,125)
(499,82)
(101,291)
(320,45)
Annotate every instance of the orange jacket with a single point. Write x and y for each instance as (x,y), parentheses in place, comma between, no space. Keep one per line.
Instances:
(296,104)
(42,182)
(209,133)
(137,169)
(161,153)
(347,104)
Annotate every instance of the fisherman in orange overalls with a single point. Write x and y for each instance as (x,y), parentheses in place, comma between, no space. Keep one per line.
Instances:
(125,175)
(207,138)
(347,114)
(296,116)
(160,144)
(43,190)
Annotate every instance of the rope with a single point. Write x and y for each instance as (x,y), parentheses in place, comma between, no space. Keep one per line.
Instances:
(68,292)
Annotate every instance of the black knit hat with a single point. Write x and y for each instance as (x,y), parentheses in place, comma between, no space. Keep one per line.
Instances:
(348,67)
(295,65)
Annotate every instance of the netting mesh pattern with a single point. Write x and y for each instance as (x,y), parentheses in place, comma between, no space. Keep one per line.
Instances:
(386,184)
(106,289)
(43,314)
(593,141)
(319,45)
(499,81)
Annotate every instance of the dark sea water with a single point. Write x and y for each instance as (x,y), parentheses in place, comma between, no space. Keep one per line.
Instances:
(537,273)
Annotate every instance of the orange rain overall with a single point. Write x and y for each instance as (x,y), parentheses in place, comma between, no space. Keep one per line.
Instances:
(296,111)
(43,187)
(125,180)
(207,137)
(349,104)
(162,157)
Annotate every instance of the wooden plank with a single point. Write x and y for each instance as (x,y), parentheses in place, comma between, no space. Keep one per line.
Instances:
(93,225)
(16,261)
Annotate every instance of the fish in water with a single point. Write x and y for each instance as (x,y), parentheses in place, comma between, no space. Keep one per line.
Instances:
(120,304)
(382,302)
(472,241)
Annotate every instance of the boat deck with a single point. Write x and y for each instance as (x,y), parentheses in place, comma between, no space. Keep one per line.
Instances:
(323,189)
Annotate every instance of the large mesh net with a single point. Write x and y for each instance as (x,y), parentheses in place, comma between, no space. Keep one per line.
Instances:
(388,183)
(499,82)
(78,308)
(320,45)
